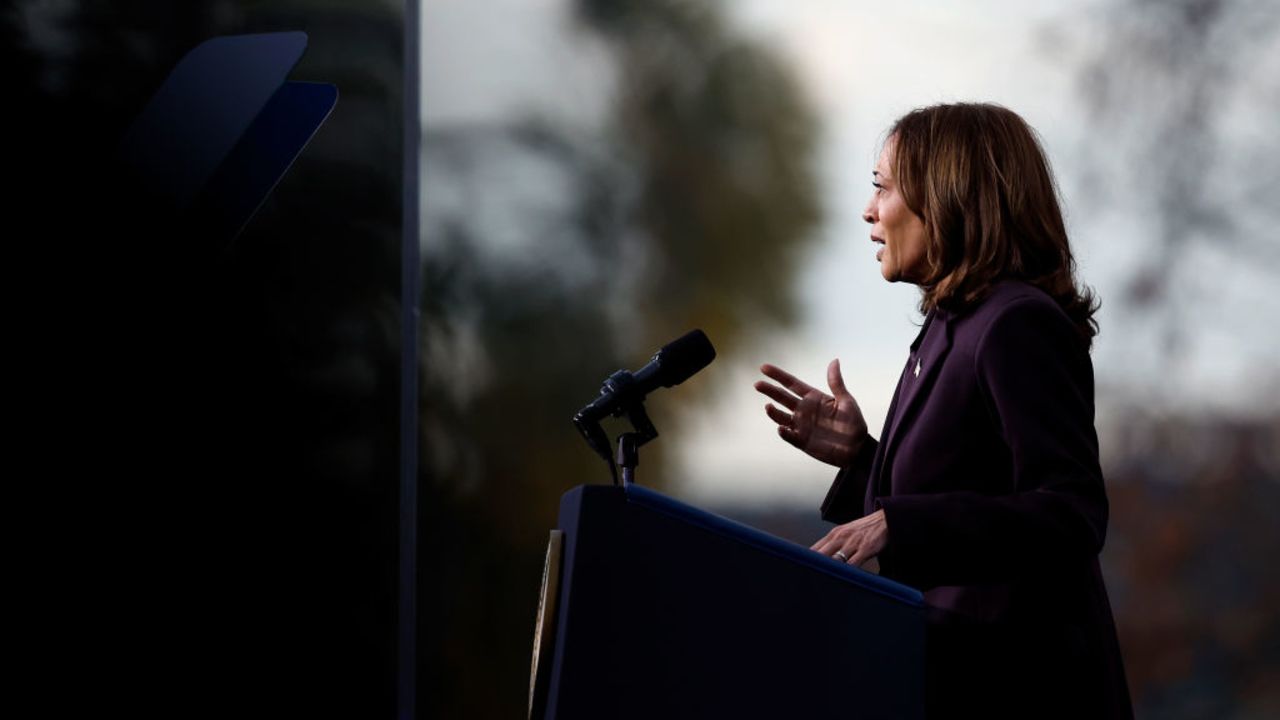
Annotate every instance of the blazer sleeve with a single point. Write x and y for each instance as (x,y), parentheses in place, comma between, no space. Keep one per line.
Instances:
(844,501)
(1037,380)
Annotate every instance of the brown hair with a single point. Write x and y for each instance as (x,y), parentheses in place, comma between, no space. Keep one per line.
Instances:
(977,175)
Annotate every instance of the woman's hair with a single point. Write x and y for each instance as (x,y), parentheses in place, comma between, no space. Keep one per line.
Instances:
(977,175)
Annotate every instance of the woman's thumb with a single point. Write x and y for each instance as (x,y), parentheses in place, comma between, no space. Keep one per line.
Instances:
(835,379)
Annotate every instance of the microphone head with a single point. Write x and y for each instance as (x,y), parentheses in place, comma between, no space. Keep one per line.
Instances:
(681,358)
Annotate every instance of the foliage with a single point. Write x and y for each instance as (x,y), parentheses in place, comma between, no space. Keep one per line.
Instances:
(688,210)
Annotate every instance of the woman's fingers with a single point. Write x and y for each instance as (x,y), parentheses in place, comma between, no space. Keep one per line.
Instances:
(778,416)
(850,555)
(824,541)
(777,394)
(791,436)
(786,429)
(858,557)
(857,541)
(811,420)
(836,540)
(786,379)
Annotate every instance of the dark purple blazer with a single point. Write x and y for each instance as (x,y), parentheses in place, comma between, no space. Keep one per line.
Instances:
(988,475)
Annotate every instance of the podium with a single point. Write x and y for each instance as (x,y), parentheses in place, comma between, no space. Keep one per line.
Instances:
(655,609)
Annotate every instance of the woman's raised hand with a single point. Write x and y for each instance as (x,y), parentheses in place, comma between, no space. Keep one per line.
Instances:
(829,428)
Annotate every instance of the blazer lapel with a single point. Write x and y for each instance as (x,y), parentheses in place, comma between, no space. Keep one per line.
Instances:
(873,483)
(927,354)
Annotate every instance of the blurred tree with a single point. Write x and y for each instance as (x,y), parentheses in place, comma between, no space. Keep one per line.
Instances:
(1190,565)
(554,256)
(1180,96)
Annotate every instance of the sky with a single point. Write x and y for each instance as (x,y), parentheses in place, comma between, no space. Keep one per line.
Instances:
(862,65)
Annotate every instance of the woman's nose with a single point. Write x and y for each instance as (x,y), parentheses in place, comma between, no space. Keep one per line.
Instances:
(867,213)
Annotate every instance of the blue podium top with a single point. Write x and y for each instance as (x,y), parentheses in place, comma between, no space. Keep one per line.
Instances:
(725,527)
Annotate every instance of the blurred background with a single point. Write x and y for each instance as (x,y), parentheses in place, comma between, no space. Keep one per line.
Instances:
(602,175)
(598,177)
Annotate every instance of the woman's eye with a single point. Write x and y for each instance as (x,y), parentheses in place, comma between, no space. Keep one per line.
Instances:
(879,188)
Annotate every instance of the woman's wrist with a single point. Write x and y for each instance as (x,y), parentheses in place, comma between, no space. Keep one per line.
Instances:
(856,447)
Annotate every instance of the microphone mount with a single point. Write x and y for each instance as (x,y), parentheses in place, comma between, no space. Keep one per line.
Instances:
(620,388)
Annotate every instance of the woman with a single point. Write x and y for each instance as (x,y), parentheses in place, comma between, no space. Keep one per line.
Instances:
(984,489)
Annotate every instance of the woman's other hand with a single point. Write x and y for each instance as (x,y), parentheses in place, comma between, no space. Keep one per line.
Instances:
(829,428)
(857,543)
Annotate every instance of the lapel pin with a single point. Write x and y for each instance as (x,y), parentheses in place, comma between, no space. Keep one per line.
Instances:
(917,370)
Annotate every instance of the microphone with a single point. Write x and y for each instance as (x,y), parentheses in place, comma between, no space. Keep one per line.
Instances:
(676,362)
(624,392)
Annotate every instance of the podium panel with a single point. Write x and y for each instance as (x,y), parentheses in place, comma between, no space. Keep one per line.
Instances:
(667,611)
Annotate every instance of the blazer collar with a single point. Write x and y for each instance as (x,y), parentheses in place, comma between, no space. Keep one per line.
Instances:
(924,330)
(927,354)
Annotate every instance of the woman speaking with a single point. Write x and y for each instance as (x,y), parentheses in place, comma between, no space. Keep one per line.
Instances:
(984,489)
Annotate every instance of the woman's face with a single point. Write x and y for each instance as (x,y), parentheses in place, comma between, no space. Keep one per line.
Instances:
(899,231)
